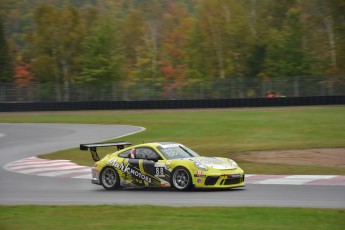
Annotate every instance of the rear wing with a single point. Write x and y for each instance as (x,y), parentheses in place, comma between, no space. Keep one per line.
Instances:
(93,147)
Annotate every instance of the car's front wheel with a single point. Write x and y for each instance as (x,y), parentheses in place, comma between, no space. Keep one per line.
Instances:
(110,178)
(181,179)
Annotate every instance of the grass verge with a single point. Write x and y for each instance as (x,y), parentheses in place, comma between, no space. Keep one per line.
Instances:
(151,217)
(224,133)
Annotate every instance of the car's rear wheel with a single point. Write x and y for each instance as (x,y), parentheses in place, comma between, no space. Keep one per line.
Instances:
(110,179)
(181,179)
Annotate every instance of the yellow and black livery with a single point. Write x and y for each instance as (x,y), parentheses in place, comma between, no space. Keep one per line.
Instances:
(161,164)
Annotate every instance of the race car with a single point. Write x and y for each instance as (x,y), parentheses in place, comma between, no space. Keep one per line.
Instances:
(161,164)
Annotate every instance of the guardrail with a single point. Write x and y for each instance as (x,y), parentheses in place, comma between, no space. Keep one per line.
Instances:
(171,104)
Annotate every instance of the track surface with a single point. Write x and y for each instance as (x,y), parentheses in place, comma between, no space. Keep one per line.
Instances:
(18,141)
(68,169)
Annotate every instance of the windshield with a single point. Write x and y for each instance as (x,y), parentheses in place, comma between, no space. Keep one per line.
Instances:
(175,151)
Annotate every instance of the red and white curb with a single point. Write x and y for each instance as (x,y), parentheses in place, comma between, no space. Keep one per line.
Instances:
(67,169)
(52,168)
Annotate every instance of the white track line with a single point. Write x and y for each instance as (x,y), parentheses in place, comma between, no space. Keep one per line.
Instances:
(295,179)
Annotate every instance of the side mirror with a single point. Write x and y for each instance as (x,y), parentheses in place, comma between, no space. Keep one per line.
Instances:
(153,158)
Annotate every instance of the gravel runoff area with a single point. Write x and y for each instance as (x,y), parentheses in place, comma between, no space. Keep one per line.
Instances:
(321,157)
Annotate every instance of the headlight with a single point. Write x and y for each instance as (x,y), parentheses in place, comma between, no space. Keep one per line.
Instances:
(200,166)
(232,162)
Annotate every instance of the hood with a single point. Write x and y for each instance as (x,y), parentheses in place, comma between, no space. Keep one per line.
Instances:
(214,162)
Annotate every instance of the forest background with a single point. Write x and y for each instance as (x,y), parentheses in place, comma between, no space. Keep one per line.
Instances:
(106,49)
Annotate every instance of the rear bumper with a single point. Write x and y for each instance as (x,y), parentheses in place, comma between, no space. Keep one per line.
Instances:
(95,176)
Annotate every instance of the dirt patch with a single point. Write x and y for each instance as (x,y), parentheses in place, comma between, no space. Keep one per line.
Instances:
(321,157)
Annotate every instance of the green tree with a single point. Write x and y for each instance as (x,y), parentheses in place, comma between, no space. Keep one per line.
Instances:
(102,60)
(286,54)
(140,46)
(57,43)
(6,65)
(225,37)
(333,20)
(132,31)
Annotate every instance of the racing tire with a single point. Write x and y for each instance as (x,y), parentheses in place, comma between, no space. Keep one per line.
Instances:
(181,179)
(110,179)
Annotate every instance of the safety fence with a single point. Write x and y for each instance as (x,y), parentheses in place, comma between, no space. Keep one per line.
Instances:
(194,89)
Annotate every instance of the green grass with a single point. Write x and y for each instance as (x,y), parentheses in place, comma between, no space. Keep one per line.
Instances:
(210,132)
(218,132)
(149,217)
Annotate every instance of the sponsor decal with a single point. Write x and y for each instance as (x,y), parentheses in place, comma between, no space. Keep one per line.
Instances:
(170,146)
(210,161)
(167,164)
(213,162)
(199,181)
(165,184)
(159,169)
(170,152)
(202,176)
(129,170)
(199,174)
(157,164)
(159,172)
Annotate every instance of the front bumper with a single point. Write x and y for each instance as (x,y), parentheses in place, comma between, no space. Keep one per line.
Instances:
(228,180)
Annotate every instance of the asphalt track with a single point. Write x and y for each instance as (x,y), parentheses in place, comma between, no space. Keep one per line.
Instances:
(18,141)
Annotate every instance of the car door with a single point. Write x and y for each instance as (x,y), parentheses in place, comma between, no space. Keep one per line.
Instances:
(155,170)
(132,171)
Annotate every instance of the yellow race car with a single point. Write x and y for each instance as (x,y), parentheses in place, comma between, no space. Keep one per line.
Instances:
(161,164)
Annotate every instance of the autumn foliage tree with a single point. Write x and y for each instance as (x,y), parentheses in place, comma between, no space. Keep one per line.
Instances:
(169,45)
(173,55)
(23,75)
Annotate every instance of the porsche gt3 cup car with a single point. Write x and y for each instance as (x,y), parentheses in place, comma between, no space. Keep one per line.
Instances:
(161,164)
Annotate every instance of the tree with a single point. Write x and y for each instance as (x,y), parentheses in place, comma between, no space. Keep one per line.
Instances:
(57,42)
(286,55)
(229,43)
(173,64)
(23,75)
(265,18)
(334,20)
(225,37)
(140,41)
(102,60)
(132,32)
(6,66)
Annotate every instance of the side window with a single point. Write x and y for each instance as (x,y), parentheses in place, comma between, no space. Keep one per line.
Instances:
(125,154)
(145,153)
